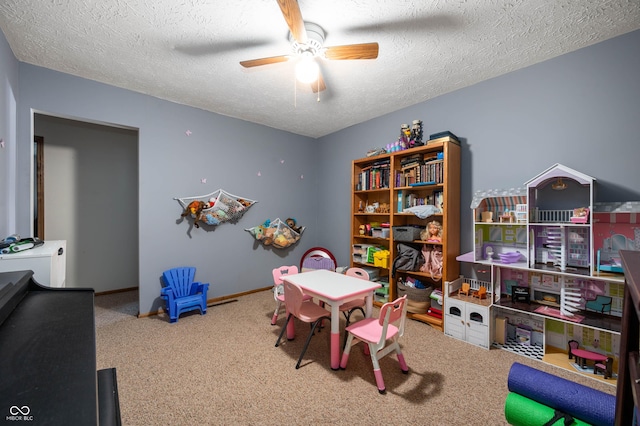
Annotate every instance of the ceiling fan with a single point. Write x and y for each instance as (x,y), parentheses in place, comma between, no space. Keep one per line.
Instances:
(307,41)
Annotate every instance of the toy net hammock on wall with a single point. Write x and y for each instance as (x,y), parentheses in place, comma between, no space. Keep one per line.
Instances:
(276,233)
(215,208)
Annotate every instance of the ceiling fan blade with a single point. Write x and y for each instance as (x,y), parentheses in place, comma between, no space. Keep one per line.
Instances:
(318,85)
(352,51)
(264,61)
(291,12)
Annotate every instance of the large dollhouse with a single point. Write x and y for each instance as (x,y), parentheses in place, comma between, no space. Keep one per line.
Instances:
(547,255)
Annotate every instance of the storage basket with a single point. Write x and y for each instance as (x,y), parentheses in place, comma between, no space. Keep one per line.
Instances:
(406,233)
(418,299)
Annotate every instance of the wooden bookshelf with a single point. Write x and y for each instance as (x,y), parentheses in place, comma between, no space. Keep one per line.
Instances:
(381,187)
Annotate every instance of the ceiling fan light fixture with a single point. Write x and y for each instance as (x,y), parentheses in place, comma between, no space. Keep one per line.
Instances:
(307,70)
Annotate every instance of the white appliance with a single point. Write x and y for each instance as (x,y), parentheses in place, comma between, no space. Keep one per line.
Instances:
(48,263)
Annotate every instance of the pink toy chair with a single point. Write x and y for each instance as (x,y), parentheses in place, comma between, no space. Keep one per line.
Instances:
(349,307)
(605,368)
(573,344)
(278,288)
(304,310)
(381,335)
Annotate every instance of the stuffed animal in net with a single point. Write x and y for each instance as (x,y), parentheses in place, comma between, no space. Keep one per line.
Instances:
(195,210)
(291,222)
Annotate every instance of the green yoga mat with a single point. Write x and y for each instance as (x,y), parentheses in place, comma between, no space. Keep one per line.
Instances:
(522,411)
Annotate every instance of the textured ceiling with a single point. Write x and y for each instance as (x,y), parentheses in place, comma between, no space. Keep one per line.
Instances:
(188,51)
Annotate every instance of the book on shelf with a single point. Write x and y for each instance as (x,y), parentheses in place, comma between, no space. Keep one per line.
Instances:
(412,159)
(433,312)
(375,176)
(444,139)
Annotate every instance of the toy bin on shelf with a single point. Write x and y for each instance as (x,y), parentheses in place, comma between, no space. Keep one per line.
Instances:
(381,258)
(406,233)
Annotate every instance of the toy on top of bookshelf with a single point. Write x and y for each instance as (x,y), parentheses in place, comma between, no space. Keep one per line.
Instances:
(416,132)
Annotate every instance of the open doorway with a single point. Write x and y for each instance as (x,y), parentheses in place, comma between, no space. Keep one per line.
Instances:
(86,193)
(38,187)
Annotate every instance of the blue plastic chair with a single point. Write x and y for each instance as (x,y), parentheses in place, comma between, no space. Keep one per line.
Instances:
(182,294)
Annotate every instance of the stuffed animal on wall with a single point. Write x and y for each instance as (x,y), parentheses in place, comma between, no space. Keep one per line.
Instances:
(195,210)
(291,222)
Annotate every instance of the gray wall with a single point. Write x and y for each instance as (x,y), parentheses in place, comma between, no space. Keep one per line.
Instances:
(579,109)
(91,200)
(8,101)
(228,153)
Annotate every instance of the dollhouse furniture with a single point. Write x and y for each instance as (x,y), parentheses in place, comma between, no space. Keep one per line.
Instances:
(304,310)
(580,215)
(182,294)
(582,355)
(466,287)
(333,289)
(381,336)
(480,293)
(605,368)
(521,294)
(600,304)
(573,345)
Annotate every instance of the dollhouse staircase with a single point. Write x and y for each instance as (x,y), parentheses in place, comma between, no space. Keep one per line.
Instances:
(569,298)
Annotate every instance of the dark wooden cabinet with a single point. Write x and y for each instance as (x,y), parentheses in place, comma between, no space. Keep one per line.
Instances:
(628,375)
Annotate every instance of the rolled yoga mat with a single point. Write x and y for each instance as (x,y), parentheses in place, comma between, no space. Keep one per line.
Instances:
(522,411)
(582,402)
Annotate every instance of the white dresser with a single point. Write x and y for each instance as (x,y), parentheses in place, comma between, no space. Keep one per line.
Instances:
(48,263)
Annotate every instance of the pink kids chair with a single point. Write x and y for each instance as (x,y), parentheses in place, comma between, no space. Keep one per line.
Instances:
(351,306)
(381,335)
(278,288)
(304,310)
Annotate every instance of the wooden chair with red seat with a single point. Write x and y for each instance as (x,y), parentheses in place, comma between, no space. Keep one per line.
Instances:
(480,293)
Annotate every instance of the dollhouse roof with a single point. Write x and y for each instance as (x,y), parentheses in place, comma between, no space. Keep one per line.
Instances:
(560,171)
(498,197)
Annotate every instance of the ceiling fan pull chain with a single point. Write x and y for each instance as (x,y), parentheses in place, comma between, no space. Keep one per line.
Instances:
(318,81)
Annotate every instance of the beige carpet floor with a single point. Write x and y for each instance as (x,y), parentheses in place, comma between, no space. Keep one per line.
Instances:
(222,369)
